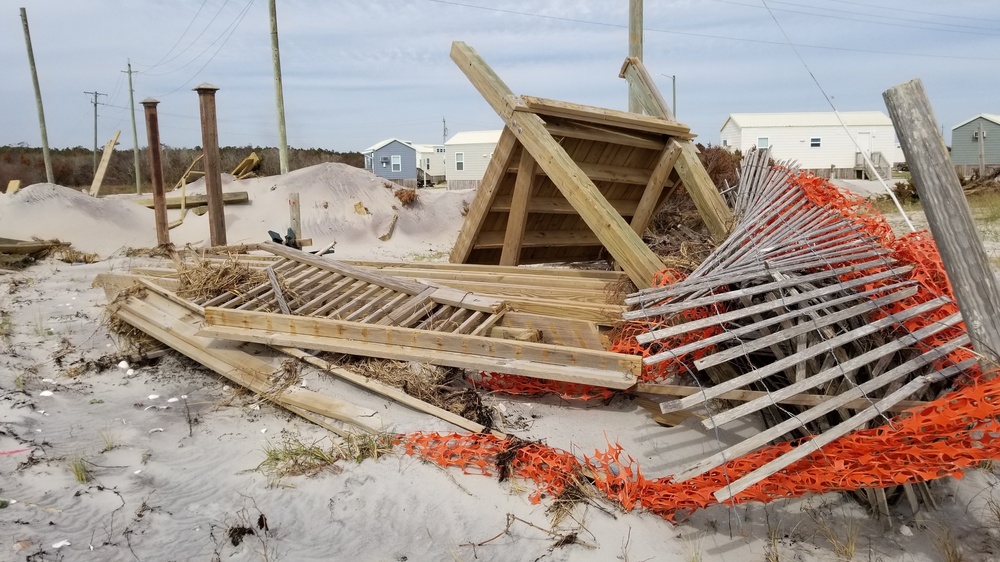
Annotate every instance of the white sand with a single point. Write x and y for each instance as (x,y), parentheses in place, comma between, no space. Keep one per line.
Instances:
(161,493)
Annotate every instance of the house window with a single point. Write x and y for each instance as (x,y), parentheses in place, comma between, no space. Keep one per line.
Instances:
(459,161)
(439,150)
(815,142)
(763,142)
(397,163)
(428,164)
(725,142)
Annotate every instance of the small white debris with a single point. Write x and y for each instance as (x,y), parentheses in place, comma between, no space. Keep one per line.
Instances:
(303,384)
(48,380)
(501,407)
(61,544)
(138,471)
(41,411)
(184,396)
(155,430)
(905,531)
(45,393)
(264,430)
(153,396)
(172,400)
(129,372)
(107,345)
(255,407)
(123,365)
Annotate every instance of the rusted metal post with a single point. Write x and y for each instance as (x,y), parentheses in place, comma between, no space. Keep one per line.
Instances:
(156,171)
(948,214)
(213,168)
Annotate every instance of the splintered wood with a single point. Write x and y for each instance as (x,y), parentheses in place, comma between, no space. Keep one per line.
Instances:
(806,326)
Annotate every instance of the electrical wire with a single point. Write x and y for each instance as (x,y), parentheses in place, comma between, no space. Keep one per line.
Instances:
(193,41)
(186,29)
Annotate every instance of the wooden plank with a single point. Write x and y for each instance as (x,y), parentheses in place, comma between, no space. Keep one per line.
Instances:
(342,268)
(518,214)
(811,446)
(154,315)
(586,131)
(13,186)
(812,351)
(542,239)
(976,289)
(558,331)
(102,168)
(855,398)
(747,395)
(711,206)
(602,116)
(546,371)
(575,273)
(228,198)
(606,173)
(834,372)
(622,243)
(359,335)
(560,206)
(549,279)
(654,188)
(383,389)
(503,155)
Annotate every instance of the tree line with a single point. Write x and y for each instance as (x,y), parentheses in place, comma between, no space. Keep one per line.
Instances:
(74,167)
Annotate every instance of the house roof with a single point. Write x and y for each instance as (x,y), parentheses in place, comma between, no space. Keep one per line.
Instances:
(809,119)
(377,146)
(475,137)
(426,147)
(988,116)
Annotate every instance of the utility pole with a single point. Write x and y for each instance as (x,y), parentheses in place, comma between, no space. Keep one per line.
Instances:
(279,98)
(444,135)
(634,48)
(49,176)
(135,136)
(95,94)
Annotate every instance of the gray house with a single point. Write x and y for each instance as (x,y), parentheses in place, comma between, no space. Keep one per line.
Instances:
(394,160)
(976,138)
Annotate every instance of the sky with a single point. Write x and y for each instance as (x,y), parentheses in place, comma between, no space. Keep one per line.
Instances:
(356,72)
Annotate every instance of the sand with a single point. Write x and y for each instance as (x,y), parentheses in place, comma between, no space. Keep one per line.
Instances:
(173,450)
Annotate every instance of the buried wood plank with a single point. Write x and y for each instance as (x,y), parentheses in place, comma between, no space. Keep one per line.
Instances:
(151,315)
(835,371)
(854,398)
(813,445)
(356,336)
(228,198)
(776,366)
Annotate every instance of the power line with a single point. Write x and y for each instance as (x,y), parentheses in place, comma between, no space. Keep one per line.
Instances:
(186,29)
(908,11)
(896,18)
(710,36)
(193,41)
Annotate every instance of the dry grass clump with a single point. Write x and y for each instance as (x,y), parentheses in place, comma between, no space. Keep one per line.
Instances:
(78,467)
(69,255)
(293,457)
(165,251)
(6,325)
(204,280)
(406,196)
(288,376)
(443,388)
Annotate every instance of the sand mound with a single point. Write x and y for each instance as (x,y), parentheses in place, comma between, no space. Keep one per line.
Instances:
(339,203)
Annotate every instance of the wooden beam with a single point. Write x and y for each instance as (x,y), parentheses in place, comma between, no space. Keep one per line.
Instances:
(622,243)
(965,261)
(102,168)
(503,155)
(607,173)
(654,188)
(541,239)
(358,335)
(602,133)
(558,331)
(711,206)
(560,206)
(228,198)
(13,186)
(602,116)
(518,215)
(575,273)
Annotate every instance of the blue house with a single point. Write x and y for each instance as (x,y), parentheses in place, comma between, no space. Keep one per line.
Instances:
(394,160)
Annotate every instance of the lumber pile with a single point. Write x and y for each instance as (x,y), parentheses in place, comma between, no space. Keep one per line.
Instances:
(316,309)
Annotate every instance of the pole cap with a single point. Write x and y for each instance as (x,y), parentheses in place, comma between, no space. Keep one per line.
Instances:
(150,101)
(205,87)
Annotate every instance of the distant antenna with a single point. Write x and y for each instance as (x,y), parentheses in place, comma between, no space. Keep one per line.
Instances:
(444,137)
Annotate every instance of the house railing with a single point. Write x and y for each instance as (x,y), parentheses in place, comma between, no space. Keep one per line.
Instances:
(882,166)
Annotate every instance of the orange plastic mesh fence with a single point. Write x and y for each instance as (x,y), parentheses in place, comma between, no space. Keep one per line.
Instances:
(942,438)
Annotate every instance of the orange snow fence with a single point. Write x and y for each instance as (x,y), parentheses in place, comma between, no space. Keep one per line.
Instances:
(942,438)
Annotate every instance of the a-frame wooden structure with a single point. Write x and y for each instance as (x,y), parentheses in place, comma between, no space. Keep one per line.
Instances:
(569,182)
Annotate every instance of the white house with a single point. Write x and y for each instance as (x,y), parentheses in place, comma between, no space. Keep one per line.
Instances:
(466,157)
(430,159)
(818,141)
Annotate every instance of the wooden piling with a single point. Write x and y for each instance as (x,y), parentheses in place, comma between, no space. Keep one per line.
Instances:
(213,167)
(948,214)
(156,171)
